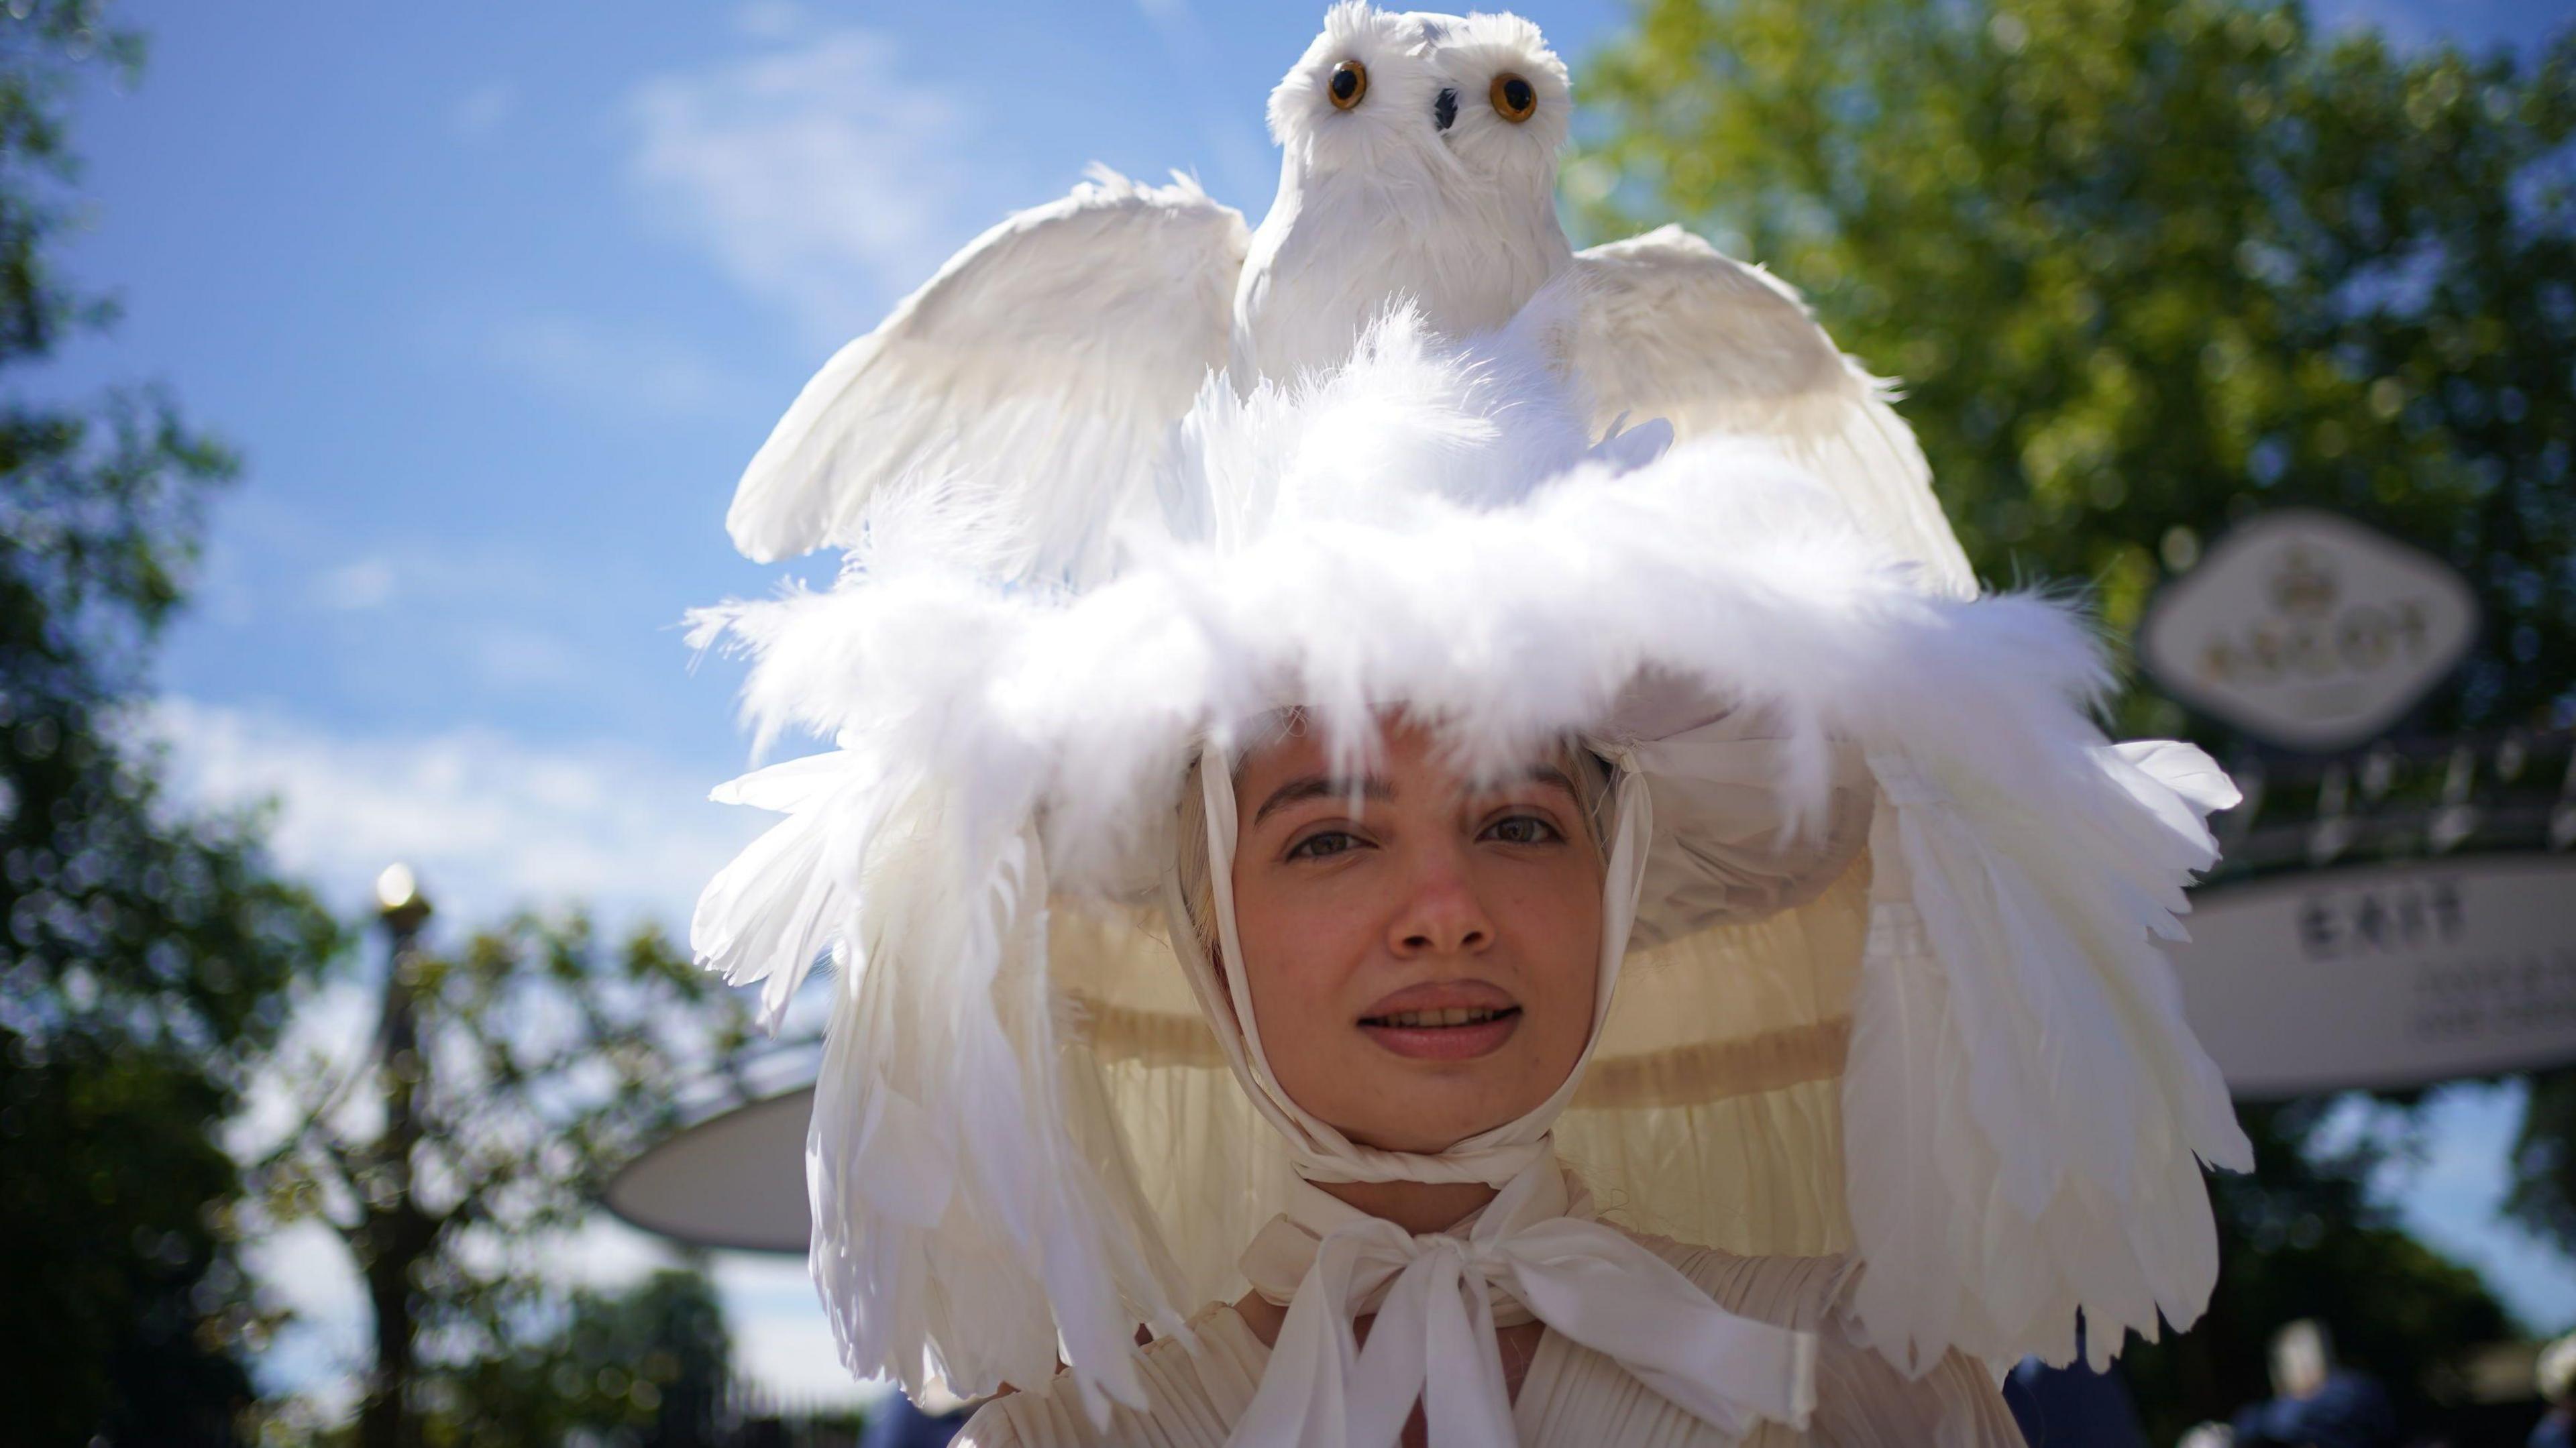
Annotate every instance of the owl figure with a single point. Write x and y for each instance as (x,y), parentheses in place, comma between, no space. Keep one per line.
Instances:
(1045,363)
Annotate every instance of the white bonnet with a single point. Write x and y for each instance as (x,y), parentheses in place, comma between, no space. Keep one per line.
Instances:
(1893,989)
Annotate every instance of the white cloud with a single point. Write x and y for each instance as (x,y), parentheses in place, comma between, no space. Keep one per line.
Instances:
(490,823)
(512,654)
(362,584)
(617,373)
(818,175)
(479,114)
(770,19)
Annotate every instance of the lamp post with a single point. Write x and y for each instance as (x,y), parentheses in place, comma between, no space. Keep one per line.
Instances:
(395,1233)
(403,909)
(399,902)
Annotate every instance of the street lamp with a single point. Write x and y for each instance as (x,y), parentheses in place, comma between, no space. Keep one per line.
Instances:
(383,1417)
(400,904)
(403,909)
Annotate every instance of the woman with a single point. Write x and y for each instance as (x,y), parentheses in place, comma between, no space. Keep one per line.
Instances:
(1648,969)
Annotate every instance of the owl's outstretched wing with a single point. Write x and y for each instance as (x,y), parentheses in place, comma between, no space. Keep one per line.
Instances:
(1674,328)
(1051,353)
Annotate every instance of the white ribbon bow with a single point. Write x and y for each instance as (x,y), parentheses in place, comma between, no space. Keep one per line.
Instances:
(1534,1250)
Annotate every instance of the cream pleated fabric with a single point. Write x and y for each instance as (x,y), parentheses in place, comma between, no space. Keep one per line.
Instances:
(1198,1386)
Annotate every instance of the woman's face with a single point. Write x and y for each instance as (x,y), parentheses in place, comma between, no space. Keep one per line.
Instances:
(1421,955)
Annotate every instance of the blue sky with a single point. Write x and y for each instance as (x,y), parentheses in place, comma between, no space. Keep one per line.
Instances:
(496,299)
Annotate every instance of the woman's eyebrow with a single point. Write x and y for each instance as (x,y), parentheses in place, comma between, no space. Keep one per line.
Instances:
(1542,774)
(1322,786)
(1550,774)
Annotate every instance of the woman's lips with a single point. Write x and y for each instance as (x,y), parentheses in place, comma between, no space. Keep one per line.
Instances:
(1443,1023)
(1446,1043)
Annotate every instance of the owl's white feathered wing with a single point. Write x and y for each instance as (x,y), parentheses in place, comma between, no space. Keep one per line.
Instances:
(1041,365)
(1674,328)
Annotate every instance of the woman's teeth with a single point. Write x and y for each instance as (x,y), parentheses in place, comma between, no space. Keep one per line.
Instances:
(1453,1016)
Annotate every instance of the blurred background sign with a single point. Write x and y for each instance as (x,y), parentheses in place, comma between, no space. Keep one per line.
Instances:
(2308,631)
(2394,975)
(735,1179)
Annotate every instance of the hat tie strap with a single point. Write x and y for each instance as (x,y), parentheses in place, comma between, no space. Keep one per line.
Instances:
(1533,1253)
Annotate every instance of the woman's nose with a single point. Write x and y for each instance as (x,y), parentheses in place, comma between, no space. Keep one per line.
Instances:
(1442,914)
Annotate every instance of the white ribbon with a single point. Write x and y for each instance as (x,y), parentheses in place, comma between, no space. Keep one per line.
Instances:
(1533,1253)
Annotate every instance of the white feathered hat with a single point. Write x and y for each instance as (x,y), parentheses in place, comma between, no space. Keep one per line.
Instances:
(1892,988)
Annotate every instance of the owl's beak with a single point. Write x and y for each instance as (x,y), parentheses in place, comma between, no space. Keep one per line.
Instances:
(1444,111)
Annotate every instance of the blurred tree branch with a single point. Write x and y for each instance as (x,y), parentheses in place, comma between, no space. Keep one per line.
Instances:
(511,1080)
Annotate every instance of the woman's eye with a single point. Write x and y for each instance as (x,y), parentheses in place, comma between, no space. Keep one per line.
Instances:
(1322,846)
(1523,830)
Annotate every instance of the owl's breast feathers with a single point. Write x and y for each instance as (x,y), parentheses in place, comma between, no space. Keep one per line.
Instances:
(1335,253)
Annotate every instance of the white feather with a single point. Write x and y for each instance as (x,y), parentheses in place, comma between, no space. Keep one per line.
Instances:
(1039,364)
(1679,330)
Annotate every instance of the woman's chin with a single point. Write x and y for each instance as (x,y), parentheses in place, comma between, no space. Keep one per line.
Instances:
(1429,1113)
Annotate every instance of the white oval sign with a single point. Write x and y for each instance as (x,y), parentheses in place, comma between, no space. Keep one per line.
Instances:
(2384,975)
(2308,630)
(734,1180)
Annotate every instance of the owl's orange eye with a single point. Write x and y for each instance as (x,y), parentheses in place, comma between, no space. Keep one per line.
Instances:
(1349,83)
(1515,100)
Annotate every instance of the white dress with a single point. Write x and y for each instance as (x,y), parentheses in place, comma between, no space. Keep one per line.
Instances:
(1573,1397)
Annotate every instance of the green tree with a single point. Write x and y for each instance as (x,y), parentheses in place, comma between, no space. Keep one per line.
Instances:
(459,1154)
(646,1367)
(2145,266)
(144,953)
(2543,1197)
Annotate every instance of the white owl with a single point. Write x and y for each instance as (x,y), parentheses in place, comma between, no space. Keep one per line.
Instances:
(1049,358)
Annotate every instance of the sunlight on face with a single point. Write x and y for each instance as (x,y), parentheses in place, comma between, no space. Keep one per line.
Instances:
(1421,956)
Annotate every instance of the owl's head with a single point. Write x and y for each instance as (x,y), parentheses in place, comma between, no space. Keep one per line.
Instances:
(1417,96)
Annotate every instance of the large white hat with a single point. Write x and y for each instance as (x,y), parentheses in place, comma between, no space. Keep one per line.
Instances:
(1892,987)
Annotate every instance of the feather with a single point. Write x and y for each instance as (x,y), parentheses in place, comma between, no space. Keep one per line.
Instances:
(1039,364)
(1679,330)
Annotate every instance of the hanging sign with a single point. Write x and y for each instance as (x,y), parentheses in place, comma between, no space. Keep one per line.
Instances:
(734,1180)
(2308,630)
(2384,975)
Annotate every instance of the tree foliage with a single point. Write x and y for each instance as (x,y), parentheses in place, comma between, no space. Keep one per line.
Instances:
(143,952)
(2145,266)
(459,1154)
(2543,1195)
(645,1367)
